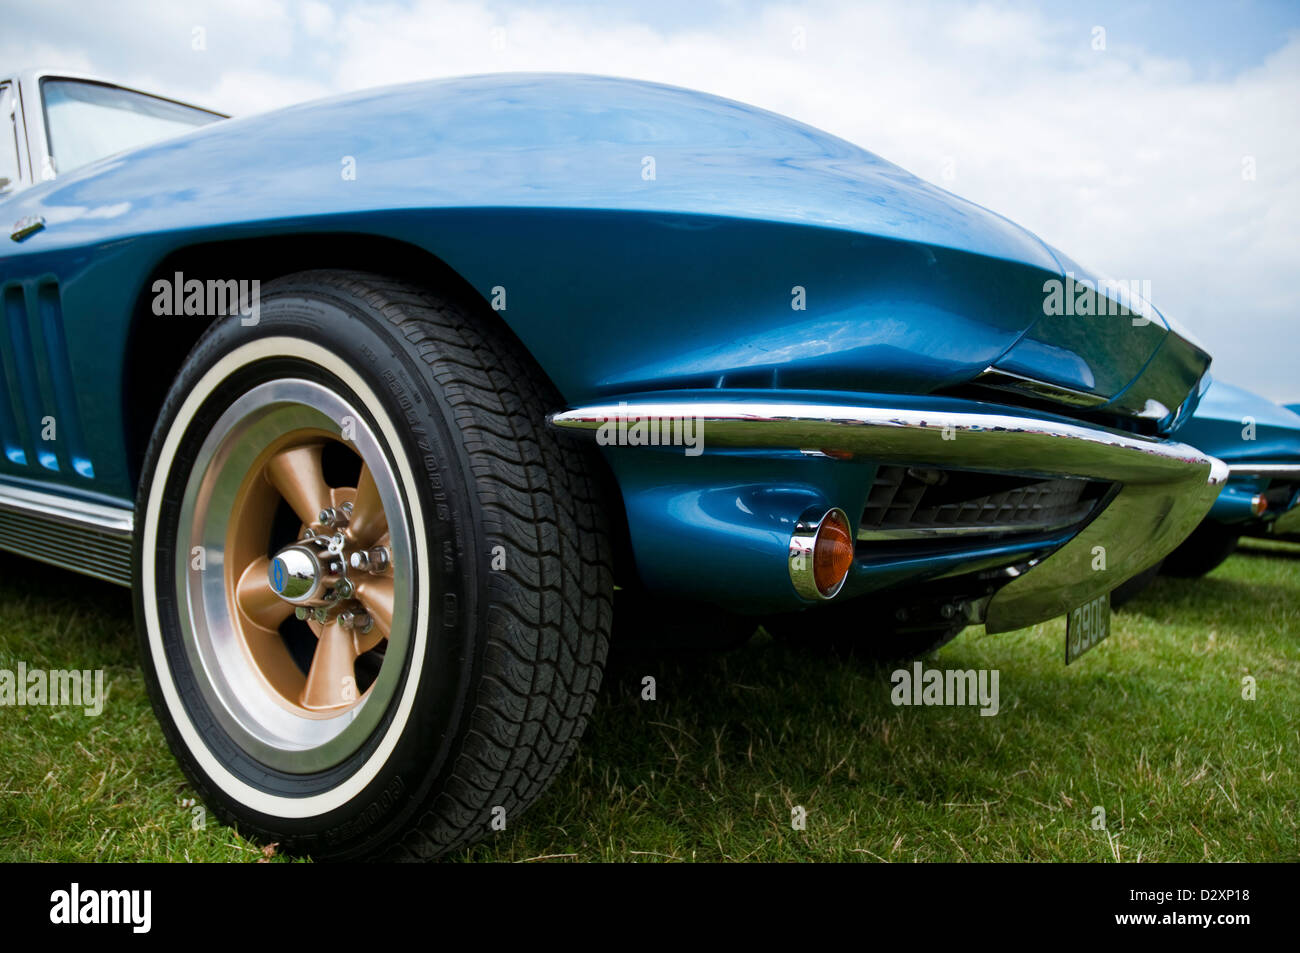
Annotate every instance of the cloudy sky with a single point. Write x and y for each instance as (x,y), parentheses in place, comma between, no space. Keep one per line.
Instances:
(1154,141)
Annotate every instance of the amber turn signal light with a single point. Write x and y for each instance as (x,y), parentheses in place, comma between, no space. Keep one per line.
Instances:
(832,553)
(821,554)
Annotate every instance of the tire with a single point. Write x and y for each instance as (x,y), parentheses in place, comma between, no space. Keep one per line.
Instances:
(862,632)
(1126,592)
(480,595)
(1208,546)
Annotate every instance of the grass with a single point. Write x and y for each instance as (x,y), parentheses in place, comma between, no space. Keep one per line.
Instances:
(1151,726)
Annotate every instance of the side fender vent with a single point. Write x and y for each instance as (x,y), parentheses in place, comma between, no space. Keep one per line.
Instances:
(40,420)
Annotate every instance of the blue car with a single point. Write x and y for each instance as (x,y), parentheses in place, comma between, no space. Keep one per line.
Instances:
(461,372)
(1260,443)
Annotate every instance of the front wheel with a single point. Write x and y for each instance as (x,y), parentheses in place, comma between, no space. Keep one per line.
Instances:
(373,591)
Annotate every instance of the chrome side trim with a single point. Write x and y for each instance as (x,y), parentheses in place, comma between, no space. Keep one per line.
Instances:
(90,538)
(109,520)
(1166,488)
(1278,471)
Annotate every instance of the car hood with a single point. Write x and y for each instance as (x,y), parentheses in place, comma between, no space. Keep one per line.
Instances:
(553,141)
(544,141)
(1236,425)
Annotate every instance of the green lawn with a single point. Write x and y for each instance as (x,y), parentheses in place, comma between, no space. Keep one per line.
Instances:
(1151,726)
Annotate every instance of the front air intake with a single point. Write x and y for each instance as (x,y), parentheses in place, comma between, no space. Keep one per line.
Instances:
(925,502)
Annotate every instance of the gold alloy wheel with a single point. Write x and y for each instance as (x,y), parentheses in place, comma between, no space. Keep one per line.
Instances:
(294,559)
(351,617)
(334,651)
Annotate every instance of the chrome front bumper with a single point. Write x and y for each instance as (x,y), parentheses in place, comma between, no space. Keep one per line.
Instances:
(1165,489)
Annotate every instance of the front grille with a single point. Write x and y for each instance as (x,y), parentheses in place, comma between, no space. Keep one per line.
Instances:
(918,503)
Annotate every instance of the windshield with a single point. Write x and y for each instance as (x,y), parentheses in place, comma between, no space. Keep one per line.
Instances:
(87,121)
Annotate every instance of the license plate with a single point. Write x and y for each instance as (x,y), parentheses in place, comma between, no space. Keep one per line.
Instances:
(1086,626)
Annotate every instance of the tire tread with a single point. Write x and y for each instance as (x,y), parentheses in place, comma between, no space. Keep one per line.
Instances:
(549,613)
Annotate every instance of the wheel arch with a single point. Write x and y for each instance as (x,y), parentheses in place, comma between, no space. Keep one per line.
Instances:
(162,343)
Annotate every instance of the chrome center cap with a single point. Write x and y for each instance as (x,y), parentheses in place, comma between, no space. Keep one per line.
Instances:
(297,576)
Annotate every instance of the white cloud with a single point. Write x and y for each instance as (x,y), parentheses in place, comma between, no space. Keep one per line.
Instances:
(317,18)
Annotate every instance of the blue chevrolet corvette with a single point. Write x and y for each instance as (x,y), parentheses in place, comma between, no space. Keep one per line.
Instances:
(470,372)
(1260,443)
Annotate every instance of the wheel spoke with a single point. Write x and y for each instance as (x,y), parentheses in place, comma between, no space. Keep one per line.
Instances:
(296,473)
(368,520)
(331,681)
(257,600)
(376,594)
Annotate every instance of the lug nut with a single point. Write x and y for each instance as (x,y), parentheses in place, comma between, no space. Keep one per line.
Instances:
(357,620)
(335,517)
(371,560)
